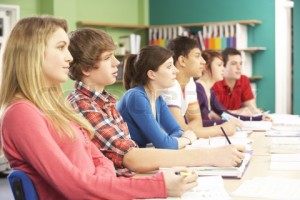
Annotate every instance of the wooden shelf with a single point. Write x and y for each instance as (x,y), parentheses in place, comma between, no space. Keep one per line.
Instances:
(131,26)
(108,25)
(255,78)
(244,22)
(253,49)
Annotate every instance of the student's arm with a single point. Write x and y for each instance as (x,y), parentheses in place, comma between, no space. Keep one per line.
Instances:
(195,122)
(169,124)
(110,137)
(139,109)
(251,105)
(149,159)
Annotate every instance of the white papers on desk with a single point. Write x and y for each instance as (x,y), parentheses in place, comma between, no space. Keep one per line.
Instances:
(285,162)
(239,138)
(285,145)
(230,172)
(270,188)
(286,128)
(282,134)
(256,125)
(285,119)
(208,188)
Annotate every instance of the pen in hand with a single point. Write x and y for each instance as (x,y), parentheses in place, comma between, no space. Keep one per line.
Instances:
(229,142)
(183,173)
(224,133)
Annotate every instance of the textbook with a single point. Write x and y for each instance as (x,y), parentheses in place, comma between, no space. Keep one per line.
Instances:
(225,172)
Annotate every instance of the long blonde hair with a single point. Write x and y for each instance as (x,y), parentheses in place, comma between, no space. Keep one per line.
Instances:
(23,75)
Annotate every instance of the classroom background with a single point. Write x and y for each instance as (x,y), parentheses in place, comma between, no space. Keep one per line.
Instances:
(278,64)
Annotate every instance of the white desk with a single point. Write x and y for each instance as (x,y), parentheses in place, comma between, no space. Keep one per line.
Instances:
(259,165)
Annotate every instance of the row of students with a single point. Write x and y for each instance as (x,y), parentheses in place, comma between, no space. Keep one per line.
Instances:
(43,136)
(118,141)
(210,106)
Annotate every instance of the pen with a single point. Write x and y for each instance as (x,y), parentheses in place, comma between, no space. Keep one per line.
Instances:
(183,173)
(225,135)
(239,164)
(226,117)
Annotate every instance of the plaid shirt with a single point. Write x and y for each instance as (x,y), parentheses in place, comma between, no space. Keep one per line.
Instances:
(111,132)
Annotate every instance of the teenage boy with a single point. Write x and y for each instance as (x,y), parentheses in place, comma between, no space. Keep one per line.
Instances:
(94,66)
(234,91)
(182,97)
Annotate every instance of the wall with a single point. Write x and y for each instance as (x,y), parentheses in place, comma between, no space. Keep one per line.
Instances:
(131,12)
(296,58)
(194,11)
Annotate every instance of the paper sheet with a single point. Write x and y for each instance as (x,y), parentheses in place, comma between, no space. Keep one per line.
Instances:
(270,188)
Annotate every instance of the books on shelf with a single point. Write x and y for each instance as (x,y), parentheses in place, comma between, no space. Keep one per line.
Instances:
(214,36)
(131,43)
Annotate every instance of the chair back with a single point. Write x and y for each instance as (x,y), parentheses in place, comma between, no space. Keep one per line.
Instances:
(21,186)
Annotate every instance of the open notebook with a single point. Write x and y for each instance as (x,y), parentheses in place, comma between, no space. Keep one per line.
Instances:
(225,172)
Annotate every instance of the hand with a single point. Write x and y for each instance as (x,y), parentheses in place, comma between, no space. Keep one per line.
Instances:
(190,135)
(229,127)
(227,156)
(176,185)
(266,117)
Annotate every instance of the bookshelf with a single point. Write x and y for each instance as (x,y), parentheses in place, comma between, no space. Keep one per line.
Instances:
(147,30)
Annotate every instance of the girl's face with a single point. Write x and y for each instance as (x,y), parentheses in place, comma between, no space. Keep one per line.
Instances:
(105,73)
(165,76)
(217,69)
(57,58)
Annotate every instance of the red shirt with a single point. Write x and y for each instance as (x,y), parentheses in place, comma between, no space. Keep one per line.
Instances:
(233,100)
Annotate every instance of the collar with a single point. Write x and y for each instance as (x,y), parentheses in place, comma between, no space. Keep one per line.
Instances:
(104,96)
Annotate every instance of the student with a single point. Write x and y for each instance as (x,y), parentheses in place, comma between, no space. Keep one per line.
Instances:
(146,76)
(211,108)
(94,67)
(43,136)
(234,91)
(182,97)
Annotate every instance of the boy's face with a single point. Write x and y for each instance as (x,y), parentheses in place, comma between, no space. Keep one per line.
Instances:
(233,68)
(105,73)
(194,63)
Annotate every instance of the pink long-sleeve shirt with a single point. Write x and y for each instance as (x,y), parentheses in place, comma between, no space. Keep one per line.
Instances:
(65,169)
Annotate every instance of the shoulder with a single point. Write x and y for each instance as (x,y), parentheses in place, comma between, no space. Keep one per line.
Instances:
(244,78)
(77,99)
(21,111)
(219,85)
(133,95)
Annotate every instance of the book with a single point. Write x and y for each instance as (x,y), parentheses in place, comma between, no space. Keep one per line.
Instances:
(285,145)
(131,43)
(282,134)
(285,162)
(256,125)
(225,172)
